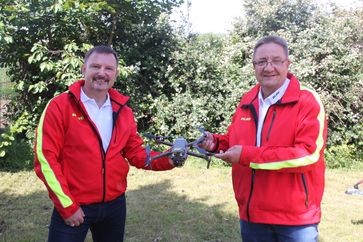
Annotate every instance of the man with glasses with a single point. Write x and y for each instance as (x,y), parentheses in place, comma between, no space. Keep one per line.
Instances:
(275,144)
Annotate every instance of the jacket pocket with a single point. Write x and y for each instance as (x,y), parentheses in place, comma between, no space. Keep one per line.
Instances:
(306,190)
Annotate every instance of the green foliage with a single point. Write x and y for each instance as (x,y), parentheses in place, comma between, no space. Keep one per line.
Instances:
(266,16)
(42,44)
(344,156)
(15,131)
(201,89)
(326,52)
(19,156)
(331,62)
(210,73)
(16,145)
(178,83)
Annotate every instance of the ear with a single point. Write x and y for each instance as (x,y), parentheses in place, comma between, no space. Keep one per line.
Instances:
(83,69)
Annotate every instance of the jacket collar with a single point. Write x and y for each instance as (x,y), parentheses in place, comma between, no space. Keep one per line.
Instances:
(115,96)
(292,92)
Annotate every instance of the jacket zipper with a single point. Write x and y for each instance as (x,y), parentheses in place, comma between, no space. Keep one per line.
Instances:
(306,191)
(114,117)
(272,121)
(251,191)
(103,153)
(255,118)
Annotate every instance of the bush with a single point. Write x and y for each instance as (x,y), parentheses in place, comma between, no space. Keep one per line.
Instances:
(344,156)
(19,156)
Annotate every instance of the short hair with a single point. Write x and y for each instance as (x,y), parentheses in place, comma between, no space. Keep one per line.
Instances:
(103,49)
(272,39)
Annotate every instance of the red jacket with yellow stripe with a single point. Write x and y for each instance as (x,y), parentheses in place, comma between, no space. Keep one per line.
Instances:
(69,157)
(282,181)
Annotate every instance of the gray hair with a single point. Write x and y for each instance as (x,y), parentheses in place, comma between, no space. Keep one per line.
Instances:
(103,49)
(272,39)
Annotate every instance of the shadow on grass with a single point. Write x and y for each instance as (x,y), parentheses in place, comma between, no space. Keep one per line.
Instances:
(24,218)
(154,213)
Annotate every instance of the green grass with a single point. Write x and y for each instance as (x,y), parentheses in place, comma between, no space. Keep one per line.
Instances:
(6,87)
(185,204)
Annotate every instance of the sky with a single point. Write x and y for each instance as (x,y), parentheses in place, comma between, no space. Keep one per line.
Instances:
(216,16)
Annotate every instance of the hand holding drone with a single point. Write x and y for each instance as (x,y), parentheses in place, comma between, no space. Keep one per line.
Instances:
(180,149)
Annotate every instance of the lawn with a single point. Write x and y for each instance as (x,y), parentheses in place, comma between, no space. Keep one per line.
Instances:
(185,204)
(6,87)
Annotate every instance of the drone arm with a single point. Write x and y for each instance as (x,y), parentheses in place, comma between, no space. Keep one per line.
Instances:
(198,155)
(203,151)
(205,157)
(160,155)
(200,139)
(164,142)
(149,164)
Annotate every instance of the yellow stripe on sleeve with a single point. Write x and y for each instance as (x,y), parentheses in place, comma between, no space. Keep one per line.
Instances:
(306,160)
(47,171)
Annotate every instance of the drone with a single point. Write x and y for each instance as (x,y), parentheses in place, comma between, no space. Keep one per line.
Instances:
(180,149)
(355,190)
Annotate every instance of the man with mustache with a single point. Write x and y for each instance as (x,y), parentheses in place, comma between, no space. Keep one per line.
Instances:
(275,144)
(85,140)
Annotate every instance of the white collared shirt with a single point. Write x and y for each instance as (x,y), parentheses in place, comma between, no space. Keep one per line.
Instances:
(264,105)
(102,117)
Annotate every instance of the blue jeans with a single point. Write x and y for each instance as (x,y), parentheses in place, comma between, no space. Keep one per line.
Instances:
(105,220)
(255,232)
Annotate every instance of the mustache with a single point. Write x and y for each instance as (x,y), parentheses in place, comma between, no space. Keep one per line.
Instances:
(100,78)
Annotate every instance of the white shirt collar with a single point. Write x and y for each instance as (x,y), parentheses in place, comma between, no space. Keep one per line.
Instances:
(85,98)
(275,96)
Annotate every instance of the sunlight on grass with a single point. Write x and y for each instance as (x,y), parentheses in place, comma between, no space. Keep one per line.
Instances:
(184,204)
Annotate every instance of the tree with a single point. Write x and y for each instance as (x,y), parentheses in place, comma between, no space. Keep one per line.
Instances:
(42,44)
(328,57)
(265,16)
(326,49)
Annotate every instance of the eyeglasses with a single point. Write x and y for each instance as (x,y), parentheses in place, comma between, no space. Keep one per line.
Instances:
(264,63)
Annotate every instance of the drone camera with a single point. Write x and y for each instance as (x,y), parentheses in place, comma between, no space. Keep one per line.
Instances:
(179,152)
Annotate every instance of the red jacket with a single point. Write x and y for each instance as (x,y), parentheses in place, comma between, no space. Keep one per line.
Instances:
(69,157)
(281,182)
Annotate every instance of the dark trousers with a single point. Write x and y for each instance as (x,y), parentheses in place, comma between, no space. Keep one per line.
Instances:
(105,220)
(254,232)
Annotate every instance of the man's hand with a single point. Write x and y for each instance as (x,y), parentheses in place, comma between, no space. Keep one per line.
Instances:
(208,143)
(232,155)
(76,219)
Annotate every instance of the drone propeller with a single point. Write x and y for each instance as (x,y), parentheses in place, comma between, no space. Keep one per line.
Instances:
(159,139)
(200,139)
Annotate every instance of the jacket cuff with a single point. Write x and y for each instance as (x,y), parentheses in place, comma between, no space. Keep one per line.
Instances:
(248,154)
(160,164)
(69,211)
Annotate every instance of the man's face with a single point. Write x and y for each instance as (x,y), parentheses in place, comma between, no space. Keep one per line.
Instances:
(100,71)
(272,75)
